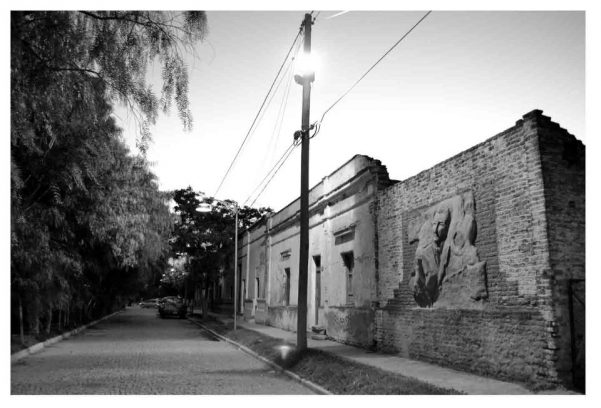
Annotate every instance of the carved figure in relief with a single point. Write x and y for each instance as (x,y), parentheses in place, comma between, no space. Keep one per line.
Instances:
(446,234)
(431,238)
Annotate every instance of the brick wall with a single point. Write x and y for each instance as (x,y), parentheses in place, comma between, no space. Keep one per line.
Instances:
(563,163)
(509,335)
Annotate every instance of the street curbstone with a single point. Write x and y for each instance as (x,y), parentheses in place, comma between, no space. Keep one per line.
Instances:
(318,389)
(40,346)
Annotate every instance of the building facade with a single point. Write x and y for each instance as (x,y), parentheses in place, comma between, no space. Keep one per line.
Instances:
(477,263)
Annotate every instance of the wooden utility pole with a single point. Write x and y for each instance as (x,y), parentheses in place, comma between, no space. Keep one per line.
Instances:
(236,267)
(301,329)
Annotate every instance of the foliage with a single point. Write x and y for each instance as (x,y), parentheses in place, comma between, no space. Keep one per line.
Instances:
(115,47)
(89,227)
(207,238)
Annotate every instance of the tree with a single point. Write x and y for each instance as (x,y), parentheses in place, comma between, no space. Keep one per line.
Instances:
(88,224)
(207,238)
(115,47)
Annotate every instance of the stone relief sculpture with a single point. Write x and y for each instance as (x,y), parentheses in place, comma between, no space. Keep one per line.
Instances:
(446,252)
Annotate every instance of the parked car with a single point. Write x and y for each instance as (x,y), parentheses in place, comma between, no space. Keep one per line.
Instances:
(172,306)
(150,303)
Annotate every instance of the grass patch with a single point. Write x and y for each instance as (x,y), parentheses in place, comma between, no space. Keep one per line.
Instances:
(337,375)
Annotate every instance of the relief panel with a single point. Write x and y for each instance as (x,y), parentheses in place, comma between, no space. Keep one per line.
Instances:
(447,269)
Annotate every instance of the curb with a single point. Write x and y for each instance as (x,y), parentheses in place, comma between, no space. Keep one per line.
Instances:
(318,389)
(40,346)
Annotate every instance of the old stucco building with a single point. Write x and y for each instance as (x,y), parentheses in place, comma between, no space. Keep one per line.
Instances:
(477,263)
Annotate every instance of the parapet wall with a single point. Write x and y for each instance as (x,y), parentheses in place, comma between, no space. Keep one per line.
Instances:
(465,271)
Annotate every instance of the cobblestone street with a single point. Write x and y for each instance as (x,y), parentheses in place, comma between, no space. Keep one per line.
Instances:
(135,352)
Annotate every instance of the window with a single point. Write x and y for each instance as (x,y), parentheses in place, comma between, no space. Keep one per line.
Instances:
(257,289)
(287,287)
(349,262)
(344,235)
(317,262)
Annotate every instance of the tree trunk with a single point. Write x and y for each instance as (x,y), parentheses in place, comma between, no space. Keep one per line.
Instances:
(34,320)
(49,321)
(204,303)
(21,329)
(60,319)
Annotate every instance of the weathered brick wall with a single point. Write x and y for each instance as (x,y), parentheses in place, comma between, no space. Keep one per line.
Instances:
(563,163)
(510,334)
(504,342)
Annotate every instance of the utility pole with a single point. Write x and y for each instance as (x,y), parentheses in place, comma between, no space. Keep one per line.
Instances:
(305,81)
(236,266)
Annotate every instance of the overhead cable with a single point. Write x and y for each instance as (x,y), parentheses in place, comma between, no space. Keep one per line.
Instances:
(258,113)
(373,66)
(278,164)
(282,161)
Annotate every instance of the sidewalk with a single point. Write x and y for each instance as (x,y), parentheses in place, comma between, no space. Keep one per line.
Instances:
(428,373)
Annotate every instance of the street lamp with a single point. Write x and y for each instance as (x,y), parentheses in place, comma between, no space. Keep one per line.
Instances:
(305,69)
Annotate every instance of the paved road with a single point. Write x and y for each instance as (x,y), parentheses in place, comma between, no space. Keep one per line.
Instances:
(135,352)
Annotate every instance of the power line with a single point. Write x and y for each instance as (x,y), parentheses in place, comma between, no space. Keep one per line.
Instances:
(283,160)
(277,129)
(258,113)
(337,14)
(372,67)
(277,164)
(286,74)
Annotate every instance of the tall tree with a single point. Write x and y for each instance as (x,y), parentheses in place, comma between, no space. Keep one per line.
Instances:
(207,238)
(87,220)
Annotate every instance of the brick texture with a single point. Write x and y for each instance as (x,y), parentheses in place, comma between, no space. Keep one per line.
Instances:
(524,235)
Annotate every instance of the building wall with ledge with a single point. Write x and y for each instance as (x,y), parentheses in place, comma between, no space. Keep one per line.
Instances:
(342,221)
(508,300)
(253,268)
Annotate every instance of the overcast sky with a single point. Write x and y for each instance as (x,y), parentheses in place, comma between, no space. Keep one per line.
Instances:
(458,79)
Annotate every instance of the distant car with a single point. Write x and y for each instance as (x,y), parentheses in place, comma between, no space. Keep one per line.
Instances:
(150,303)
(172,306)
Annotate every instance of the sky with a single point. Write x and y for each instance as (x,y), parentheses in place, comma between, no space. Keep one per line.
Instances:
(458,79)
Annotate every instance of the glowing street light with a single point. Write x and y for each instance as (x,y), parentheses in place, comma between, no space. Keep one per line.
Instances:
(305,69)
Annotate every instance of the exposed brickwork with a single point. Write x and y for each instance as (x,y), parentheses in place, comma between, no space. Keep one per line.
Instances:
(563,164)
(512,335)
(507,343)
